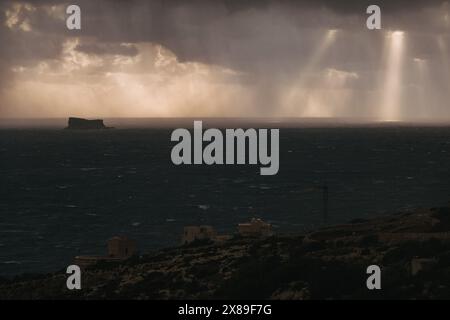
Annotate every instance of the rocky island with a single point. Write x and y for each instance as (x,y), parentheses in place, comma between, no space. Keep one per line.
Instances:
(85,124)
(412,248)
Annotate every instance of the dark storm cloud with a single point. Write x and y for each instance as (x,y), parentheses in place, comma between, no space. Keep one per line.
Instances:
(230,32)
(27,46)
(243,34)
(270,42)
(342,6)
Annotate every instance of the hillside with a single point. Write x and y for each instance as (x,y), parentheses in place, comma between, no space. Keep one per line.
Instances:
(327,264)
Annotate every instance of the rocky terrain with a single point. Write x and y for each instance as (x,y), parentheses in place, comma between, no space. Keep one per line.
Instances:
(411,247)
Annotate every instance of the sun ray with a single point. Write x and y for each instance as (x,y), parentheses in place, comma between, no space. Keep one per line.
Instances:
(392,88)
(297,92)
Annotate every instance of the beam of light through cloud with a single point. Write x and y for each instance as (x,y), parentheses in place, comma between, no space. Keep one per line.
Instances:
(422,89)
(444,59)
(392,89)
(298,99)
(205,58)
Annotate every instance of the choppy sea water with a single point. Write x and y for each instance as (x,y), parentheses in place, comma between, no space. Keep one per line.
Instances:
(65,193)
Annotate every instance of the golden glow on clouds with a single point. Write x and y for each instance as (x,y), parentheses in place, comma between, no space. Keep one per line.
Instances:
(331,95)
(152,83)
(14,18)
(155,83)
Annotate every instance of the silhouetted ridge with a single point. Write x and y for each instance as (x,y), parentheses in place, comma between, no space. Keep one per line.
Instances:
(84,124)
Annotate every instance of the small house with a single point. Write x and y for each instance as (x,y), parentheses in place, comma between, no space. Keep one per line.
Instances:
(121,247)
(255,228)
(195,233)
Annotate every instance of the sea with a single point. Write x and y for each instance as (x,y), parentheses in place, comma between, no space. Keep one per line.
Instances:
(64,193)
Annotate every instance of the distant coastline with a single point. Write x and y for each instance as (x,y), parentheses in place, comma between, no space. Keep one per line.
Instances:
(266,122)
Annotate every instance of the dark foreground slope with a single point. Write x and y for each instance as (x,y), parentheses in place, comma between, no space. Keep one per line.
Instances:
(328,264)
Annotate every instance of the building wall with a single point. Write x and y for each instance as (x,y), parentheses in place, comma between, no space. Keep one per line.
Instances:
(121,247)
(193,233)
(256,227)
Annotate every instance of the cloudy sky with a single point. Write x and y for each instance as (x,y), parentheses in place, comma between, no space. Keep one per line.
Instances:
(252,58)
